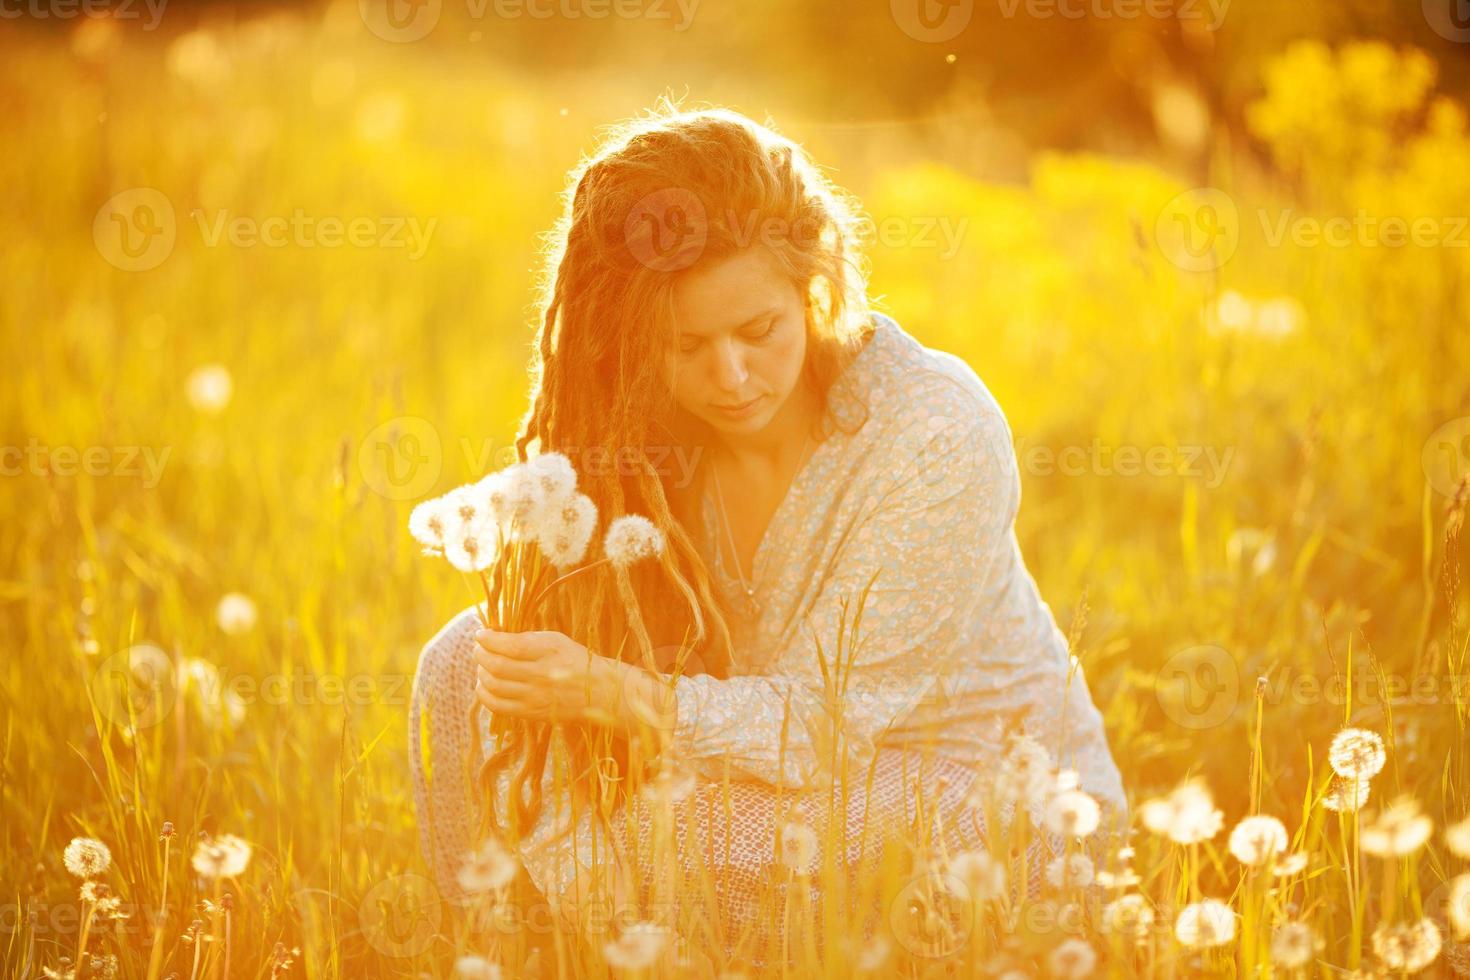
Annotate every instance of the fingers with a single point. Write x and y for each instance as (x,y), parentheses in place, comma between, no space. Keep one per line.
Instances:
(504,688)
(508,668)
(522,646)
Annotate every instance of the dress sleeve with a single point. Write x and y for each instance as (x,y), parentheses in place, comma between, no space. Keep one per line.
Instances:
(931,540)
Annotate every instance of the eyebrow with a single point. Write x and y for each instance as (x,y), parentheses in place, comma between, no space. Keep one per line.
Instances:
(755,319)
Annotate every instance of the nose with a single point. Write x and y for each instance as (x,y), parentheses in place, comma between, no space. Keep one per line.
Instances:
(730,373)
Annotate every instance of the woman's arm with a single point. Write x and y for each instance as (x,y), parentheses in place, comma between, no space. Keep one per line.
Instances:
(937,541)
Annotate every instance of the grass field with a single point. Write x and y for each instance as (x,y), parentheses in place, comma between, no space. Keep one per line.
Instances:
(1242,413)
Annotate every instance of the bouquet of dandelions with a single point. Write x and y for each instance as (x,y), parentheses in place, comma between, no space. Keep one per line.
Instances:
(525,531)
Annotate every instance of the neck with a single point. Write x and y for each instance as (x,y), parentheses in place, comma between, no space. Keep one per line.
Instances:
(781,441)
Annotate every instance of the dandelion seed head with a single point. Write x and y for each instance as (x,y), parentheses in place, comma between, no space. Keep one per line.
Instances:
(555,476)
(982,877)
(1070,871)
(1072,813)
(1457,955)
(1128,915)
(1458,909)
(472,549)
(1457,838)
(1026,774)
(1203,924)
(1257,840)
(796,845)
(1293,863)
(525,502)
(1293,944)
(1407,946)
(567,531)
(488,868)
(630,538)
(1346,795)
(86,857)
(429,524)
(1072,959)
(236,613)
(476,968)
(1399,830)
(1356,753)
(225,856)
(637,946)
(1186,816)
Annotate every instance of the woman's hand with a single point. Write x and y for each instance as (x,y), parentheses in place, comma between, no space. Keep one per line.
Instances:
(544,675)
(541,675)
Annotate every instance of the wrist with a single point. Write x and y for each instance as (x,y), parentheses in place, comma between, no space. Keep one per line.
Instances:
(634,700)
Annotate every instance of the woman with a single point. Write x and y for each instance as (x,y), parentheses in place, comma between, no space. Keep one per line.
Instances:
(800,451)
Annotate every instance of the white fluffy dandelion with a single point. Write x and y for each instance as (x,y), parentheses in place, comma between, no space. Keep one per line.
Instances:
(1072,813)
(1203,924)
(1356,753)
(1027,773)
(1257,840)
(1071,871)
(1293,944)
(1458,909)
(1073,959)
(982,877)
(566,530)
(476,968)
(1346,795)
(637,947)
(472,548)
(630,538)
(236,613)
(489,867)
(1457,838)
(525,502)
(86,857)
(554,474)
(429,525)
(1129,915)
(1407,946)
(1398,831)
(1186,816)
(225,856)
(796,846)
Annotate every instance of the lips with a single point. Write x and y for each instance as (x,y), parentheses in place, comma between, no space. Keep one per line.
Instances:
(736,408)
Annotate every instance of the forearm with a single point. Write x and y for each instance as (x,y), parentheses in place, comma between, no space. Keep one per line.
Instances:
(632,701)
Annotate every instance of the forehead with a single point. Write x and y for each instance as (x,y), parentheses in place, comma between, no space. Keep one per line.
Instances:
(729,294)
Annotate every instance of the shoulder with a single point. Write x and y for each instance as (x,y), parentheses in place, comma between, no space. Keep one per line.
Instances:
(934,407)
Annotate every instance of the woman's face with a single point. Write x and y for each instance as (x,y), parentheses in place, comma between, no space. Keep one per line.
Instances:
(741,329)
